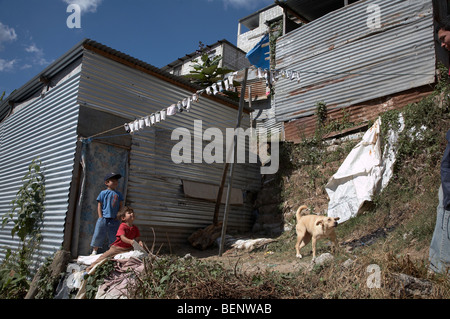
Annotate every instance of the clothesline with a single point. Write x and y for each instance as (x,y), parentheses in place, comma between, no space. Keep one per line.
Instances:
(270,76)
(227,84)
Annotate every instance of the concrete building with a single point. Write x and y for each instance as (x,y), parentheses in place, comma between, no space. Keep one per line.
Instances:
(253,27)
(233,58)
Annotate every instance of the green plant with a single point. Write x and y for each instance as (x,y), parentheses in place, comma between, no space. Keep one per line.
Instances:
(27,215)
(96,279)
(206,70)
(321,113)
(28,207)
(46,285)
(12,284)
(276,31)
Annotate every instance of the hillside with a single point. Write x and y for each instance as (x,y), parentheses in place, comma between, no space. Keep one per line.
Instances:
(393,234)
(383,251)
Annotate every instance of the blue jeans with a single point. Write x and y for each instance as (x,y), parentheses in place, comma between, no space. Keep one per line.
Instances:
(440,244)
(105,228)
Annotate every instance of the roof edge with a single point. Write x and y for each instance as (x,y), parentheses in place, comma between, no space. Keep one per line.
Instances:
(34,85)
(142,66)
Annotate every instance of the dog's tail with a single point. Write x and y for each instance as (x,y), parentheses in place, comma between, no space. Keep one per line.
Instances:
(299,210)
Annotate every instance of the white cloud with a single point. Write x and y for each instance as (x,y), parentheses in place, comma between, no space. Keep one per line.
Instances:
(247,4)
(26,66)
(6,65)
(37,55)
(34,49)
(7,34)
(85,5)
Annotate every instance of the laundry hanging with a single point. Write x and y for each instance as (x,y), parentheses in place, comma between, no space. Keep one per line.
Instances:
(185,105)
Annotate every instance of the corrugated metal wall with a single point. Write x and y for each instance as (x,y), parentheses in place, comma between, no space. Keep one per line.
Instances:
(154,181)
(344,62)
(43,127)
(263,117)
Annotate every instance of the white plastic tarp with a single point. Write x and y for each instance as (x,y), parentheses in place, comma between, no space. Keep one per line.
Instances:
(363,173)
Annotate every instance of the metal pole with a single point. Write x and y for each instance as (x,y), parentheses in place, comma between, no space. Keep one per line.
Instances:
(230,179)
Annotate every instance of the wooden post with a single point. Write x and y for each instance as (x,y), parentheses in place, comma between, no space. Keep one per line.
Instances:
(219,194)
(230,179)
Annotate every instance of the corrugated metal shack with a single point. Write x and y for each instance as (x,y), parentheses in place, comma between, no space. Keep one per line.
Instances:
(367,57)
(93,89)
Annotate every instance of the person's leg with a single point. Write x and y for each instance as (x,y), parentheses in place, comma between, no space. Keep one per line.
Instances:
(113,250)
(99,235)
(439,254)
(112,227)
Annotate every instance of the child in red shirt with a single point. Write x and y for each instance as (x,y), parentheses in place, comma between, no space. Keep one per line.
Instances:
(126,235)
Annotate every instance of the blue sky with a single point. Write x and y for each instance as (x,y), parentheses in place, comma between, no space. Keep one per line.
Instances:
(33,33)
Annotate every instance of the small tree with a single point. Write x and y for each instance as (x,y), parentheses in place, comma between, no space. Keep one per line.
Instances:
(27,215)
(207,71)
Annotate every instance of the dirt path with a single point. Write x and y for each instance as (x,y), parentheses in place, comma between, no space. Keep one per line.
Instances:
(258,260)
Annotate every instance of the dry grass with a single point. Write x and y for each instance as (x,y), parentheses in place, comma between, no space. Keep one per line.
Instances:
(388,242)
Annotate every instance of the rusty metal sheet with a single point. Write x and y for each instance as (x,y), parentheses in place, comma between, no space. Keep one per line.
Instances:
(344,62)
(305,127)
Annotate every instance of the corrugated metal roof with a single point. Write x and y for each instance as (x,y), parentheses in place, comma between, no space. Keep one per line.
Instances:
(34,85)
(152,70)
(343,62)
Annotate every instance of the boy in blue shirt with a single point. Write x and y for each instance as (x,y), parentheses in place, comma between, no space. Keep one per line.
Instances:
(110,201)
